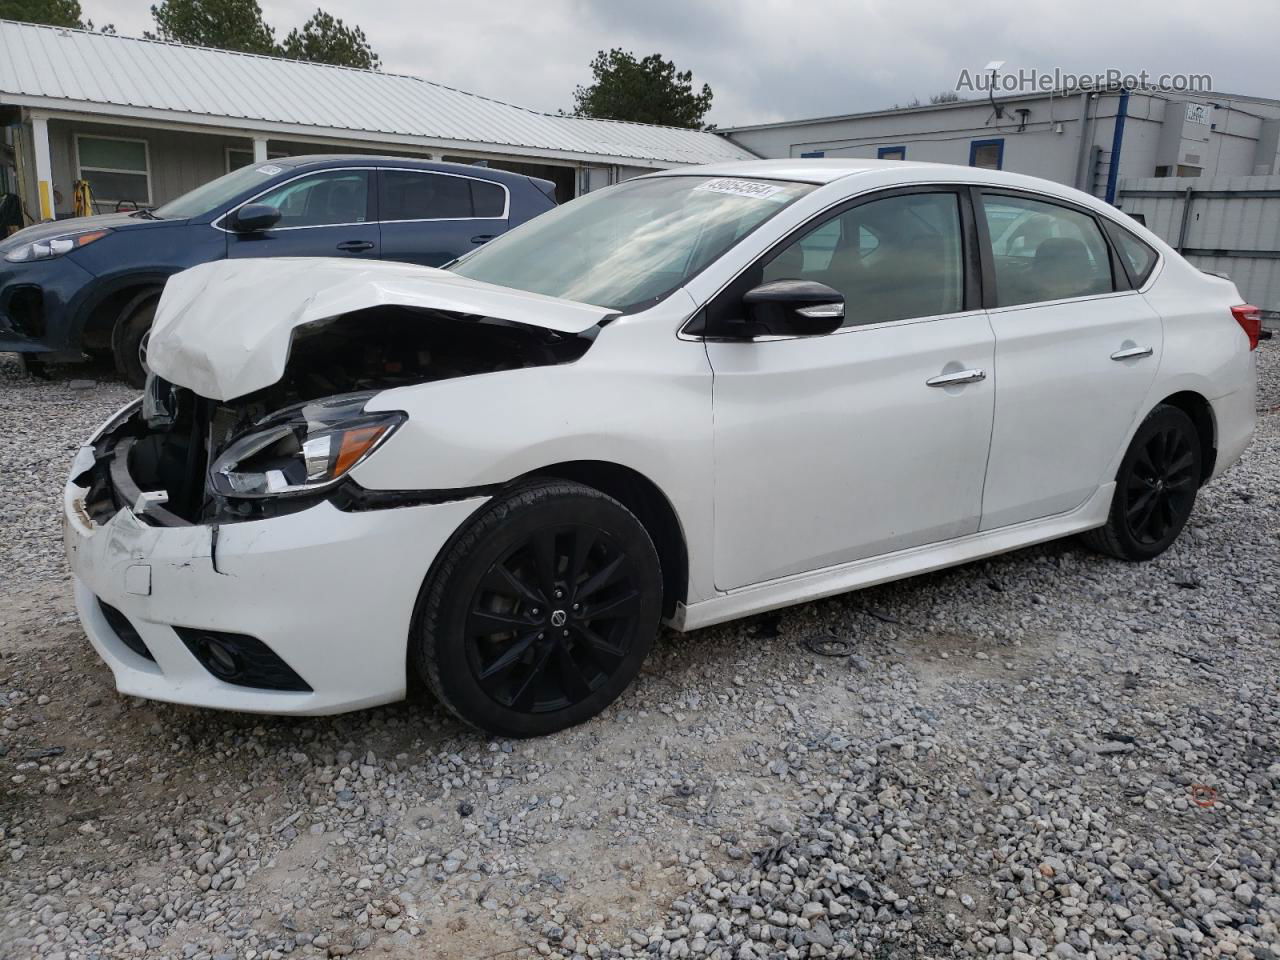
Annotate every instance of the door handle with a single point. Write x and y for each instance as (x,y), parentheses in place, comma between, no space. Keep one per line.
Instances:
(355,246)
(482,238)
(1132,353)
(954,379)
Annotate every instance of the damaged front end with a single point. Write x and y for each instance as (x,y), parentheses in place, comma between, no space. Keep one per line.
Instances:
(180,458)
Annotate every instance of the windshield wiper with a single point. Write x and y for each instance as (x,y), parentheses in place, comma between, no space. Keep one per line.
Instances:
(146,215)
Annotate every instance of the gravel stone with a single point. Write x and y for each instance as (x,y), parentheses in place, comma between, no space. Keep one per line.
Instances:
(1043,755)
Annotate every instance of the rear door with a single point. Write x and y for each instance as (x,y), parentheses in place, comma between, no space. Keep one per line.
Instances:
(431,218)
(329,213)
(1077,350)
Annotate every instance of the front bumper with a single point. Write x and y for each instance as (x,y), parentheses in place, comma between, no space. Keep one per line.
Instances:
(38,303)
(330,593)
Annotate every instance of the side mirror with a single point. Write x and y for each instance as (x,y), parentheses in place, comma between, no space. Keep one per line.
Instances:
(253,217)
(793,308)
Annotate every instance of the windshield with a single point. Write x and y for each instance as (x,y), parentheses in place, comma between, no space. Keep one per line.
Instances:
(630,245)
(212,195)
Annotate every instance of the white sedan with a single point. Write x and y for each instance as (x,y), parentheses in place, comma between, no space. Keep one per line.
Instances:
(687,398)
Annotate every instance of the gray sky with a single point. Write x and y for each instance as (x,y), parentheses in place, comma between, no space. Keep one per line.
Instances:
(771,59)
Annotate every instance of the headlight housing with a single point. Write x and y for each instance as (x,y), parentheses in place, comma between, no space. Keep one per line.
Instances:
(54,246)
(302,449)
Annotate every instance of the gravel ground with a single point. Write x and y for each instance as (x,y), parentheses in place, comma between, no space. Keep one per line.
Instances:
(1049,754)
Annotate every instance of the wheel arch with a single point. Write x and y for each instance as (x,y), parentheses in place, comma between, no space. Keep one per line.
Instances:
(651,506)
(99,317)
(1198,408)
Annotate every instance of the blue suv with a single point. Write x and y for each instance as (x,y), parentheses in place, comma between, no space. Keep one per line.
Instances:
(91,285)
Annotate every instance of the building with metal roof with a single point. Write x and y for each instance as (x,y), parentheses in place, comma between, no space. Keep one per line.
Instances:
(144,121)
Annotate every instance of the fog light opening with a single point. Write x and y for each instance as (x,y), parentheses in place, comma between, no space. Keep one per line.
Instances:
(242,660)
(220,659)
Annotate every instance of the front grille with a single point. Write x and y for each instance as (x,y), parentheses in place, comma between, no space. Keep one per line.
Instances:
(241,659)
(125,631)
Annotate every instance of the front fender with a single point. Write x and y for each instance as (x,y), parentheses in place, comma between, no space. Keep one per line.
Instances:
(639,398)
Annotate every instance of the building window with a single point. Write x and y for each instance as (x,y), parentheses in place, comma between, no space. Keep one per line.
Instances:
(118,170)
(891,153)
(987,154)
(813,153)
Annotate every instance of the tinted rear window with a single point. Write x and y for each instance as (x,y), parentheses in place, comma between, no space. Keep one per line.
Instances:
(413,195)
(409,195)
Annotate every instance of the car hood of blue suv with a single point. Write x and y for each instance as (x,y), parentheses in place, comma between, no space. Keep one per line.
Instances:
(63,228)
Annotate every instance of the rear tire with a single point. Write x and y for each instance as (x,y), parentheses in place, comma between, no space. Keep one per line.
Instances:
(540,612)
(1155,488)
(129,339)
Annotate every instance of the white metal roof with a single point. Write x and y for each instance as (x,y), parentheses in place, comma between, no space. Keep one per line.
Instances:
(54,67)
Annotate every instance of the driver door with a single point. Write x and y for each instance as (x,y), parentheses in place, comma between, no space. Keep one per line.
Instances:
(330,213)
(835,448)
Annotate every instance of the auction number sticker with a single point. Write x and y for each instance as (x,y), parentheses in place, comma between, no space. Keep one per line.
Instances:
(270,170)
(742,188)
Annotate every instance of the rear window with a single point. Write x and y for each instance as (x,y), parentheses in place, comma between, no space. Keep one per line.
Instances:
(1137,254)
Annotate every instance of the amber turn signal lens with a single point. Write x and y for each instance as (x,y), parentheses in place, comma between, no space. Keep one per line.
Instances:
(355,444)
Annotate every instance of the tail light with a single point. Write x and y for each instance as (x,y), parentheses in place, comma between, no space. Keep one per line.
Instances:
(1250,320)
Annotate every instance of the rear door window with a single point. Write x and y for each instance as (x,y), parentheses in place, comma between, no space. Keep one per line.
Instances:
(1043,251)
(422,195)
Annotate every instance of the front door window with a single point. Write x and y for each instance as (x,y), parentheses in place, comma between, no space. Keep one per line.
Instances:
(330,198)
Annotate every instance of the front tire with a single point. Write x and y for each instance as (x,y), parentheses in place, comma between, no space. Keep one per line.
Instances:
(540,612)
(1155,488)
(129,340)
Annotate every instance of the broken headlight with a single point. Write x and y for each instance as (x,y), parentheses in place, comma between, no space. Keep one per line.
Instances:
(302,449)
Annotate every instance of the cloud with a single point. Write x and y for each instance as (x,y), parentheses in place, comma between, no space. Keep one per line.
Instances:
(776,59)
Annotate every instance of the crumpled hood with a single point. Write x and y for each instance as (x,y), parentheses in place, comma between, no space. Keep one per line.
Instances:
(224,329)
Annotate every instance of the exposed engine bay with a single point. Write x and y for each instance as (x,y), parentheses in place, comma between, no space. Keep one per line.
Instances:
(181,458)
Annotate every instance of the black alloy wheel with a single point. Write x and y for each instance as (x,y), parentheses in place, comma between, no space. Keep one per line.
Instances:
(1156,488)
(541,610)
(552,619)
(1161,485)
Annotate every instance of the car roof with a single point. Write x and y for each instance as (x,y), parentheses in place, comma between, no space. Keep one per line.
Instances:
(886,173)
(326,160)
(803,169)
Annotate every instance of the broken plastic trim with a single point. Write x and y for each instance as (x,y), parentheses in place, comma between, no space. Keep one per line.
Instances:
(353,498)
(349,497)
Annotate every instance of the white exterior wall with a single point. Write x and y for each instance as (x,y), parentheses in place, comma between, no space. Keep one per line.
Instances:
(1048,145)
